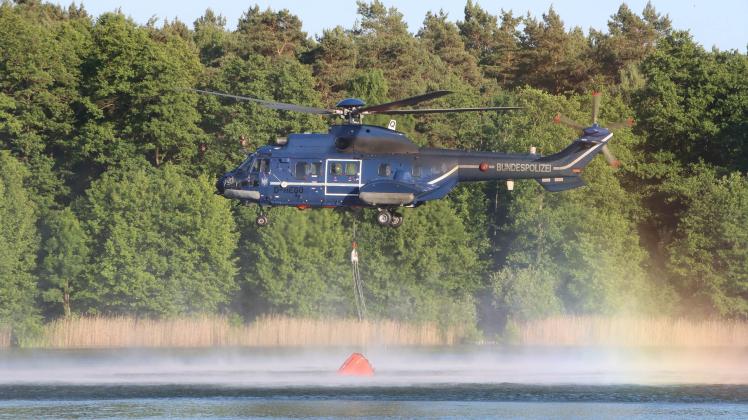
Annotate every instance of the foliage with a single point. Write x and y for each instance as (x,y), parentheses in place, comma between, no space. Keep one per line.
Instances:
(164,243)
(19,242)
(108,160)
(301,263)
(709,255)
(414,271)
(695,103)
(65,259)
(525,294)
(136,102)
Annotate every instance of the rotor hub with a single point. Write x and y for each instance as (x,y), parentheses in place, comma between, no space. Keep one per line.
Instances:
(350,103)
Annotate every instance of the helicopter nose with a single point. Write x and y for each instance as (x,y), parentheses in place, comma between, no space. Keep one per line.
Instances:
(220,185)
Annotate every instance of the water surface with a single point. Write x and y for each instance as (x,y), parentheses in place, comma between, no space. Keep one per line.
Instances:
(450,382)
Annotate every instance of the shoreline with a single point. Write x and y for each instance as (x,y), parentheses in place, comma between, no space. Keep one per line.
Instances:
(288,332)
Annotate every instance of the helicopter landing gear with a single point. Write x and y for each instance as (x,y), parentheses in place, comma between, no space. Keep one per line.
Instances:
(262,218)
(391,219)
(396,220)
(384,217)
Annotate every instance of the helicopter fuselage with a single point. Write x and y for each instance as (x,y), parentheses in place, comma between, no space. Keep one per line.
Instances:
(355,165)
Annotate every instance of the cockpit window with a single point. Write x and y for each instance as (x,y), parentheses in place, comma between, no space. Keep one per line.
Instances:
(262,165)
(247,163)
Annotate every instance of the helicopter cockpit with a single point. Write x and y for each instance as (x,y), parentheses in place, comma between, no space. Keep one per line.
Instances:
(249,172)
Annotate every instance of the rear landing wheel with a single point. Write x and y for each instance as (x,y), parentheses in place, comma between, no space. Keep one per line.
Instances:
(396,220)
(262,220)
(384,217)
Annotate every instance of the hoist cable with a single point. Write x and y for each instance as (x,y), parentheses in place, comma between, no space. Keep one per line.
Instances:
(358,284)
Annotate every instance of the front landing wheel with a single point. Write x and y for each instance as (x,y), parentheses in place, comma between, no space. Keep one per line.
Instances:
(262,220)
(383,218)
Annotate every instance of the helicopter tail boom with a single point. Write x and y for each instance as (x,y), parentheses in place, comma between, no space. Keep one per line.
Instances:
(577,155)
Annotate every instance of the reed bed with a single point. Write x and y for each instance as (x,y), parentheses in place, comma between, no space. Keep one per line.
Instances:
(208,331)
(633,331)
(282,331)
(4,337)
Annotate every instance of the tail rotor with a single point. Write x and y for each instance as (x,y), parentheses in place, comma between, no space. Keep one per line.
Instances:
(596,97)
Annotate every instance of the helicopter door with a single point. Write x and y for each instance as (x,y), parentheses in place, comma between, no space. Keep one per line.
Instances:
(342,177)
(261,170)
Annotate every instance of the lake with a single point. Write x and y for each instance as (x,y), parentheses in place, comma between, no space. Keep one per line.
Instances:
(446,382)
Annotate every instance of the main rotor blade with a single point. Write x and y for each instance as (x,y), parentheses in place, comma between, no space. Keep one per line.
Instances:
(445,110)
(379,109)
(629,122)
(612,161)
(562,119)
(595,106)
(272,105)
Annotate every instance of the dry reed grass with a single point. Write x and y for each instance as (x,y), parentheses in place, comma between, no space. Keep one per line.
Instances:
(280,331)
(207,331)
(633,331)
(4,337)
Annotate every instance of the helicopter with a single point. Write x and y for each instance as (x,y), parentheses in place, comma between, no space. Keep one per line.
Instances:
(355,165)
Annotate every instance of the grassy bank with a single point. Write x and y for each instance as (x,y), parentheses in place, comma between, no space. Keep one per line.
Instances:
(632,331)
(119,332)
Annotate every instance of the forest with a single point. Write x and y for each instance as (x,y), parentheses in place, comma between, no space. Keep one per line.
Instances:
(108,163)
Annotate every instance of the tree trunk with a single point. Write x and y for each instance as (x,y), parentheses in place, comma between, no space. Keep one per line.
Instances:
(66,303)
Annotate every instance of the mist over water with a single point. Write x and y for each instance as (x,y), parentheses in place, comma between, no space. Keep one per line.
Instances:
(393,366)
(458,382)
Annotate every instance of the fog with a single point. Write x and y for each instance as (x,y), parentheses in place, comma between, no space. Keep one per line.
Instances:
(393,366)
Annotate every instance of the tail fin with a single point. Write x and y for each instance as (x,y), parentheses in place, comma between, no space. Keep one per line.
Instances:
(567,164)
(580,153)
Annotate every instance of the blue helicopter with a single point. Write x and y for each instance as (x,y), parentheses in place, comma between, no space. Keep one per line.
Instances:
(355,165)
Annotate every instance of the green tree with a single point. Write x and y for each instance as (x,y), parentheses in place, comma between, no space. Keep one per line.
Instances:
(708,257)
(270,33)
(228,121)
(371,87)
(163,243)
(629,40)
(417,271)
(65,259)
(442,38)
(19,243)
(553,59)
(695,103)
(37,85)
(137,103)
(211,38)
(301,263)
(39,90)
(383,42)
(523,294)
(494,44)
(582,243)
(333,62)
